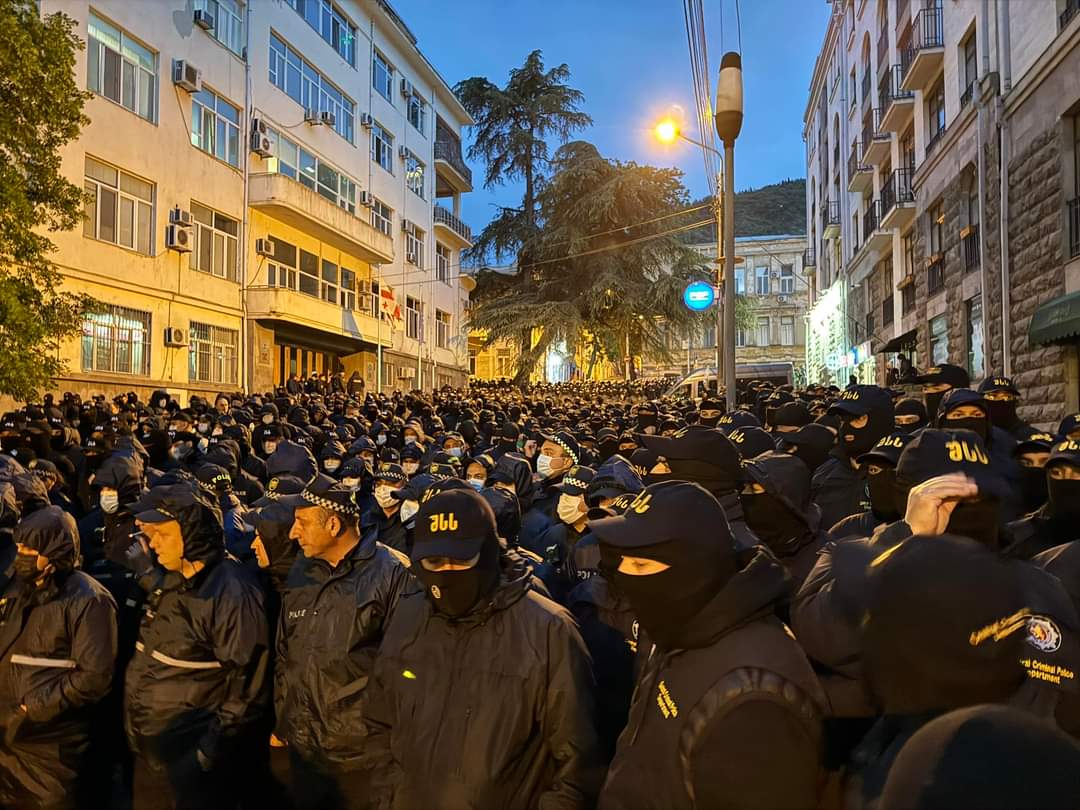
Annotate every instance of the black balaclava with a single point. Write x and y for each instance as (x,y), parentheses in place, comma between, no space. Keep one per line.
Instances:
(1003,413)
(908,407)
(932,402)
(1063,495)
(665,602)
(864,438)
(976,424)
(1033,487)
(456,593)
(978,520)
(882,489)
(772,521)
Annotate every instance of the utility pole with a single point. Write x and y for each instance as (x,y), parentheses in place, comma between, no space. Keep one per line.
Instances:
(728,120)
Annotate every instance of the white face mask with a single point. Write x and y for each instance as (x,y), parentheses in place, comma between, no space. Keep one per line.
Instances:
(455,452)
(410,467)
(569,508)
(380,439)
(203,444)
(331,464)
(269,447)
(409,510)
(544,466)
(476,483)
(383,496)
(110,502)
(351,483)
(410,440)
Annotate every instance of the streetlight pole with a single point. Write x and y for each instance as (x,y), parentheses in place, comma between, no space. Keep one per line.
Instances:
(728,120)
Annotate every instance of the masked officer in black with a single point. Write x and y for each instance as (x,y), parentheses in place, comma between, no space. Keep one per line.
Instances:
(939,380)
(1002,399)
(727,711)
(484,693)
(57,648)
(839,485)
(880,465)
(1058,521)
(340,595)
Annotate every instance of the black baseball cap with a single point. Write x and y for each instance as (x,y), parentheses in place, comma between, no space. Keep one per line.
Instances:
(737,419)
(752,441)
(862,399)
(887,450)
(567,442)
(657,515)
(695,442)
(999,384)
(576,481)
(933,453)
(282,486)
(815,434)
(326,492)
(945,373)
(453,524)
(388,471)
(1036,443)
(1066,451)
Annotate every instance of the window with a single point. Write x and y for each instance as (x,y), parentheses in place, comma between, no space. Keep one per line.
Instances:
(417,113)
(935,113)
(309,277)
(213,354)
(763,336)
(382,147)
(939,340)
(301,82)
(215,126)
(907,299)
(292,160)
(382,76)
(442,263)
(970,69)
(975,337)
(762,280)
(215,243)
(936,217)
(120,69)
(120,209)
(228,22)
(414,247)
(281,270)
(117,340)
(907,149)
(740,281)
(414,175)
(413,318)
(787,279)
(787,330)
(382,216)
(331,24)
(442,329)
(908,244)
(740,337)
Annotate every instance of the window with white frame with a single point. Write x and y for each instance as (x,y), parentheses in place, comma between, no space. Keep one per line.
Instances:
(442,329)
(119,207)
(309,279)
(414,247)
(763,336)
(382,147)
(382,76)
(213,355)
(787,330)
(215,126)
(787,279)
(281,268)
(333,26)
(305,85)
(413,318)
(338,285)
(417,113)
(414,175)
(382,217)
(740,281)
(292,160)
(215,243)
(121,69)
(116,340)
(442,263)
(740,337)
(228,22)
(761,275)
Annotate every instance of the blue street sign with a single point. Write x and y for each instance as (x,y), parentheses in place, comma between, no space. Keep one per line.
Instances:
(699,296)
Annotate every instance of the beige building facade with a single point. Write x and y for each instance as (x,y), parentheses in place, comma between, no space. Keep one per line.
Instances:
(264,180)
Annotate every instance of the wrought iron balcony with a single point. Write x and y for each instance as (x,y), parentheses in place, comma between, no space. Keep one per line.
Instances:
(970,244)
(450,152)
(1074,227)
(446,217)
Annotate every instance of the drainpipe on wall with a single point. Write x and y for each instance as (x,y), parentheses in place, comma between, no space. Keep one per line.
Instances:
(247,367)
(1004,141)
(980,113)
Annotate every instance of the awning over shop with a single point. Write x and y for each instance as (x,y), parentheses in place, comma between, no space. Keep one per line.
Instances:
(1056,321)
(898,344)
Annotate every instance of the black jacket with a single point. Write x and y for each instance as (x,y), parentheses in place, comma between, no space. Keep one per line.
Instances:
(733,719)
(330,626)
(838,489)
(490,711)
(198,677)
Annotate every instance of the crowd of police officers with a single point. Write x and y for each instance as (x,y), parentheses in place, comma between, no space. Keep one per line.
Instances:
(563,596)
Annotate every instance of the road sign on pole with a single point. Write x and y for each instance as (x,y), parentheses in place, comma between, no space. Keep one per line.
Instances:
(699,296)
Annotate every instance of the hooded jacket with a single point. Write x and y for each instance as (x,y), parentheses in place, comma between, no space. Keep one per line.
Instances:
(736,676)
(490,710)
(57,649)
(330,626)
(290,458)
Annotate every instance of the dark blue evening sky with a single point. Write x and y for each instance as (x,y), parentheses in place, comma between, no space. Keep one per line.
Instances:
(629,58)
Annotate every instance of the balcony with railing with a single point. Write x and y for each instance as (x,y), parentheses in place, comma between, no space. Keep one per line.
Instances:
(935,138)
(935,274)
(967,95)
(444,218)
(897,200)
(927,49)
(876,237)
(860,174)
(887,314)
(897,104)
(1073,208)
(969,241)
(830,219)
(809,260)
(876,142)
(451,165)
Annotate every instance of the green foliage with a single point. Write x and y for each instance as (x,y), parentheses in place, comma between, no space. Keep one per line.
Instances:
(40,111)
(776,209)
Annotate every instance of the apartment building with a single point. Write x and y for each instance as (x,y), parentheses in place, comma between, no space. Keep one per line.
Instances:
(770,275)
(943,150)
(275,189)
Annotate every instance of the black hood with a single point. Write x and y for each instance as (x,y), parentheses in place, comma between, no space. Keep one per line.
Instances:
(197,514)
(290,458)
(787,479)
(52,532)
(122,473)
(273,523)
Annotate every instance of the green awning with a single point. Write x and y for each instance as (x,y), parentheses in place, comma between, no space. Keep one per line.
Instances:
(1056,321)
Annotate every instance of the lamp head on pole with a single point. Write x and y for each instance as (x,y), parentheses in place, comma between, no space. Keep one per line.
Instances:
(729,98)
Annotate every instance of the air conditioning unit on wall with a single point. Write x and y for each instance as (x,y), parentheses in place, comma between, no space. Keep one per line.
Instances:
(175,337)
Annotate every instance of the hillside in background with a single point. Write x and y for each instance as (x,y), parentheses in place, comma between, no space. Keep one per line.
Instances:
(776,209)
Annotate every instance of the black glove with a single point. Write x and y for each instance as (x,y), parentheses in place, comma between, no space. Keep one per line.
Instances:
(138,558)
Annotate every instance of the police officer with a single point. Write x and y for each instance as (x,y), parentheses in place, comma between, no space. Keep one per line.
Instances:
(880,465)
(1002,399)
(727,711)
(340,594)
(939,380)
(1059,520)
(484,688)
